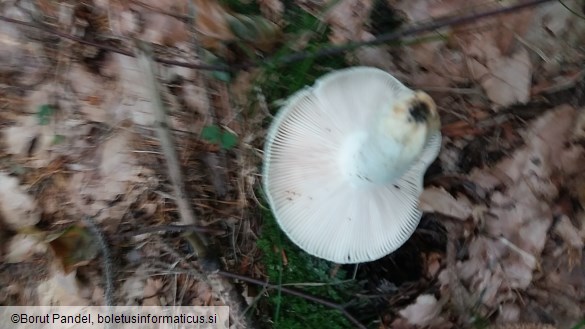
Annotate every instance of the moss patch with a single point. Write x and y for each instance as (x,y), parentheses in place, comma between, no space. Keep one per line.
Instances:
(289,312)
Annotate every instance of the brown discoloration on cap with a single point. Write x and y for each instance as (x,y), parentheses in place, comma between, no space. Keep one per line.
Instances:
(422,99)
(419,109)
(411,119)
(400,109)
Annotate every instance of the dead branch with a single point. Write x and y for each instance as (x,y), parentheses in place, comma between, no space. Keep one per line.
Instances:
(209,262)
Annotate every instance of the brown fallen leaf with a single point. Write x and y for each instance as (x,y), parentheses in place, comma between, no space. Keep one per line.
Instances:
(74,247)
(272,9)
(61,289)
(18,209)
(151,291)
(508,79)
(347,20)
(424,312)
(520,214)
(23,247)
(436,199)
(461,129)
(571,237)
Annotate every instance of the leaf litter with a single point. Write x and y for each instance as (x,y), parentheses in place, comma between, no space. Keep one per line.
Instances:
(519,246)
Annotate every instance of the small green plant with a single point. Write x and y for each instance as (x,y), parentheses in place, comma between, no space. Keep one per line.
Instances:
(579,325)
(58,139)
(45,113)
(215,135)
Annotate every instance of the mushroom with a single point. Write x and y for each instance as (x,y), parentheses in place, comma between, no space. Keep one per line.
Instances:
(344,162)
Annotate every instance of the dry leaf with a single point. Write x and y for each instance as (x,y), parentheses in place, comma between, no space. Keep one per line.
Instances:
(21,60)
(95,100)
(570,235)
(272,9)
(74,247)
(18,209)
(163,29)
(211,24)
(486,51)
(510,26)
(425,311)
(25,133)
(132,289)
(215,24)
(151,291)
(134,100)
(375,56)
(61,290)
(436,199)
(22,247)
(422,10)
(554,39)
(508,79)
(116,182)
(520,213)
(347,20)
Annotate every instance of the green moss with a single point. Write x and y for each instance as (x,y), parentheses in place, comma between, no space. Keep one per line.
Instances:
(291,312)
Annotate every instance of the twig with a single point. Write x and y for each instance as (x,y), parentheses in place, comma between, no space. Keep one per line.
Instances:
(396,35)
(197,240)
(172,228)
(299,56)
(572,11)
(210,263)
(107,260)
(297,293)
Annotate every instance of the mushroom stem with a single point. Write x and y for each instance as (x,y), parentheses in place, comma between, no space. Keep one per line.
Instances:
(382,154)
(367,159)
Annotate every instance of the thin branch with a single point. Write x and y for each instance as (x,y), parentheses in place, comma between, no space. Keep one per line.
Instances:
(396,35)
(572,11)
(172,228)
(299,56)
(106,260)
(297,293)
(197,240)
(209,262)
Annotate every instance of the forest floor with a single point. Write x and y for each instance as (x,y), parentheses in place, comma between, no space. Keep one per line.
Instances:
(503,232)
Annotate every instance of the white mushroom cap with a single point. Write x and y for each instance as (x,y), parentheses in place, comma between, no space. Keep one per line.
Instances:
(344,162)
